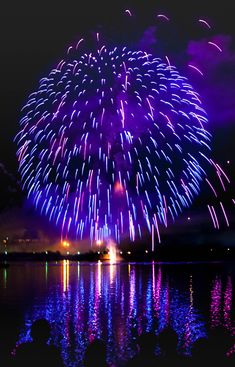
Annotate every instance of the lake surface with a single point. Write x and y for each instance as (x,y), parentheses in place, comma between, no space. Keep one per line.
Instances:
(114,302)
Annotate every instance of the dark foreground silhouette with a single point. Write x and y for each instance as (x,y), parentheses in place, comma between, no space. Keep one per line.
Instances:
(146,344)
(152,350)
(95,354)
(211,351)
(38,352)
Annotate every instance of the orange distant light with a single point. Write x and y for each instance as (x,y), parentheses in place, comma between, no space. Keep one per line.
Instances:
(65,244)
(118,188)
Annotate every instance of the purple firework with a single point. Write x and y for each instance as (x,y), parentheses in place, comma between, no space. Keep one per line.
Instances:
(112,141)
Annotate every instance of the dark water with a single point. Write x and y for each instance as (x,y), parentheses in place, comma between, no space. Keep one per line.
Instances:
(114,302)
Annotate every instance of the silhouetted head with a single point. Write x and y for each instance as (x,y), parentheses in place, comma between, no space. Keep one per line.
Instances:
(95,354)
(168,340)
(200,349)
(219,340)
(41,330)
(147,342)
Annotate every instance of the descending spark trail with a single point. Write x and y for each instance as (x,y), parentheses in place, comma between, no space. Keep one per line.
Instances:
(163,17)
(215,45)
(225,215)
(205,22)
(112,139)
(212,216)
(127,11)
(197,69)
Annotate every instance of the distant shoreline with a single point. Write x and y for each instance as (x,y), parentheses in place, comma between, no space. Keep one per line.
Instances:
(126,256)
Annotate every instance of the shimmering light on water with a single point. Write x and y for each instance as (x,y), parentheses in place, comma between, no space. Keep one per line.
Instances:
(117,302)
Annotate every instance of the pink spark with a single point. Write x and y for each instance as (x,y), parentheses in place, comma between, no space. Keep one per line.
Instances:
(157,228)
(126,81)
(68,50)
(163,16)
(150,107)
(61,65)
(218,166)
(168,61)
(215,45)
(102,48)
(152,238)
(127,11)
(216,219)
(212,188)
(61,62)
(195,68)
(146,55)
(212,217)
(204,22)
(80,41)
(218,172)
(195,95)
(123,114)
(221,181)
(165,210)
(225,216)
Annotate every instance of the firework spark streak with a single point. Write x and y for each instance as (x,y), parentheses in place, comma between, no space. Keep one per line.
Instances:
(111,141)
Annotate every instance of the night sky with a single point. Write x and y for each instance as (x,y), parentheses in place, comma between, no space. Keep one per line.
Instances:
(35,35)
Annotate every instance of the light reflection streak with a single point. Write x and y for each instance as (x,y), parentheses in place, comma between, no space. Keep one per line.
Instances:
(65,280)
(148,302)
(92,318)
(129,270)
(132,294)
(167,304)
(99,270)
(112,272)
(227,308)
(215,309)
(78,270)
(156,292)
(46,271)
(221,303)
(5,278)
(187,334)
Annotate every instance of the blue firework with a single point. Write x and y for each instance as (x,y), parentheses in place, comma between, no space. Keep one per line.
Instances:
(112,141)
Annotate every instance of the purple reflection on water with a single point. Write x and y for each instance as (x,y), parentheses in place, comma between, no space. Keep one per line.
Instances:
(227,308)
(118,303)
(216,299)
(221,307)
(221,303)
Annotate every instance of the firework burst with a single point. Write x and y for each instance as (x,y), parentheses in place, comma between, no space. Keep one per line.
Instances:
(112,141)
